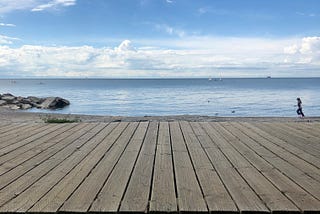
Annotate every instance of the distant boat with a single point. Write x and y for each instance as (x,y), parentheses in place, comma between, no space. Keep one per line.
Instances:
(215,79)
(268,77)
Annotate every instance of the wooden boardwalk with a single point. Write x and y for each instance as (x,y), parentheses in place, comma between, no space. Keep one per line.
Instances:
(141,167)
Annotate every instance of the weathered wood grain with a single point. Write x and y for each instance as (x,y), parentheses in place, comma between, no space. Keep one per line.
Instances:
(160,167)
(85,194)
(136,198)
(163,196)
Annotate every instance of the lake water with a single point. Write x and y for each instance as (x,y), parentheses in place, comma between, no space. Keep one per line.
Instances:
(139,97)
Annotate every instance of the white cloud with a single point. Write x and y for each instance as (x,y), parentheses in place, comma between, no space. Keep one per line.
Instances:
(6,40)
(307,50)
(170,30)
(54,4)
(126,45)
(310,45)
(215,11)
(307,14)
(291,49)
(7,25)
(188,57)
(7,6)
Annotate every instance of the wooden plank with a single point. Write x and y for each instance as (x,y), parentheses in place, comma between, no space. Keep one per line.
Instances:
(30,137)
(21,133)
(23,150)
(84,195)
(15,128)
(279,133)
(307,182)
(27,164)
(308,128)
(287,186)
(109,198)
(304,166)
(136,198)
(28,198)
(189,192)
(245,198)
(55,198)
(6,125)
(311,140)
(215,194)
(22,183)
(5,129)
(292,149)
(304,130)
(274,199)
(163,195)
(3,125)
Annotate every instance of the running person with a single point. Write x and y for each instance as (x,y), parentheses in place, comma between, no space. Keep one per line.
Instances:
(299,110)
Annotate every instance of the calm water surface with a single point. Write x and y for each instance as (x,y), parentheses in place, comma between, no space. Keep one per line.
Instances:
(139,97)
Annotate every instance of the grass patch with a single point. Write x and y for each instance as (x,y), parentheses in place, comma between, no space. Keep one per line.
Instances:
(50,119)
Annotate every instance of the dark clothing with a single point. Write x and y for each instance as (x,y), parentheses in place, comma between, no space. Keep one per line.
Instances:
(299,112)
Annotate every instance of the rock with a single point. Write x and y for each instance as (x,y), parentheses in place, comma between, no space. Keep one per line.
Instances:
(13,107)
(3,102)
(7,94)
(36,100)
(15,102)
(25,106)
(8,98)
(26,101)
(12,102)
(54,103)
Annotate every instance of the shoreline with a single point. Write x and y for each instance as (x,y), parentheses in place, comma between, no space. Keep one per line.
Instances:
(15,116)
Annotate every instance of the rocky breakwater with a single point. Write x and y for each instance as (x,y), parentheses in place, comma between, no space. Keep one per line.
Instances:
(12,102)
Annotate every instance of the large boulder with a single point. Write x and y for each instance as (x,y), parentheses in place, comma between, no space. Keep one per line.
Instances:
(12,107)
(25,106)
(7,94)
(8,98)
(3,102)
(32,99)
(54,103)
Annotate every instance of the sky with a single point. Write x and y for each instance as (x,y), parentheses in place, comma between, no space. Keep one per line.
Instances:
(159,38)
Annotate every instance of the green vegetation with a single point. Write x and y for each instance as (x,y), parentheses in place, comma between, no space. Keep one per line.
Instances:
(50,119)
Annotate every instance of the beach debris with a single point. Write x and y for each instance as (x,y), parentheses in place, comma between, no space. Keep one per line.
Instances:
(12,102)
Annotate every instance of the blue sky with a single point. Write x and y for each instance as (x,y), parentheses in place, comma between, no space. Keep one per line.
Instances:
(159,38)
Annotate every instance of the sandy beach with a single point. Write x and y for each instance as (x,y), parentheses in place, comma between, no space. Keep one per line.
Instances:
(16,116)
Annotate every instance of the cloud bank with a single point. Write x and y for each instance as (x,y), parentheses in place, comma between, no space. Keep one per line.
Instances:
(193,57)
